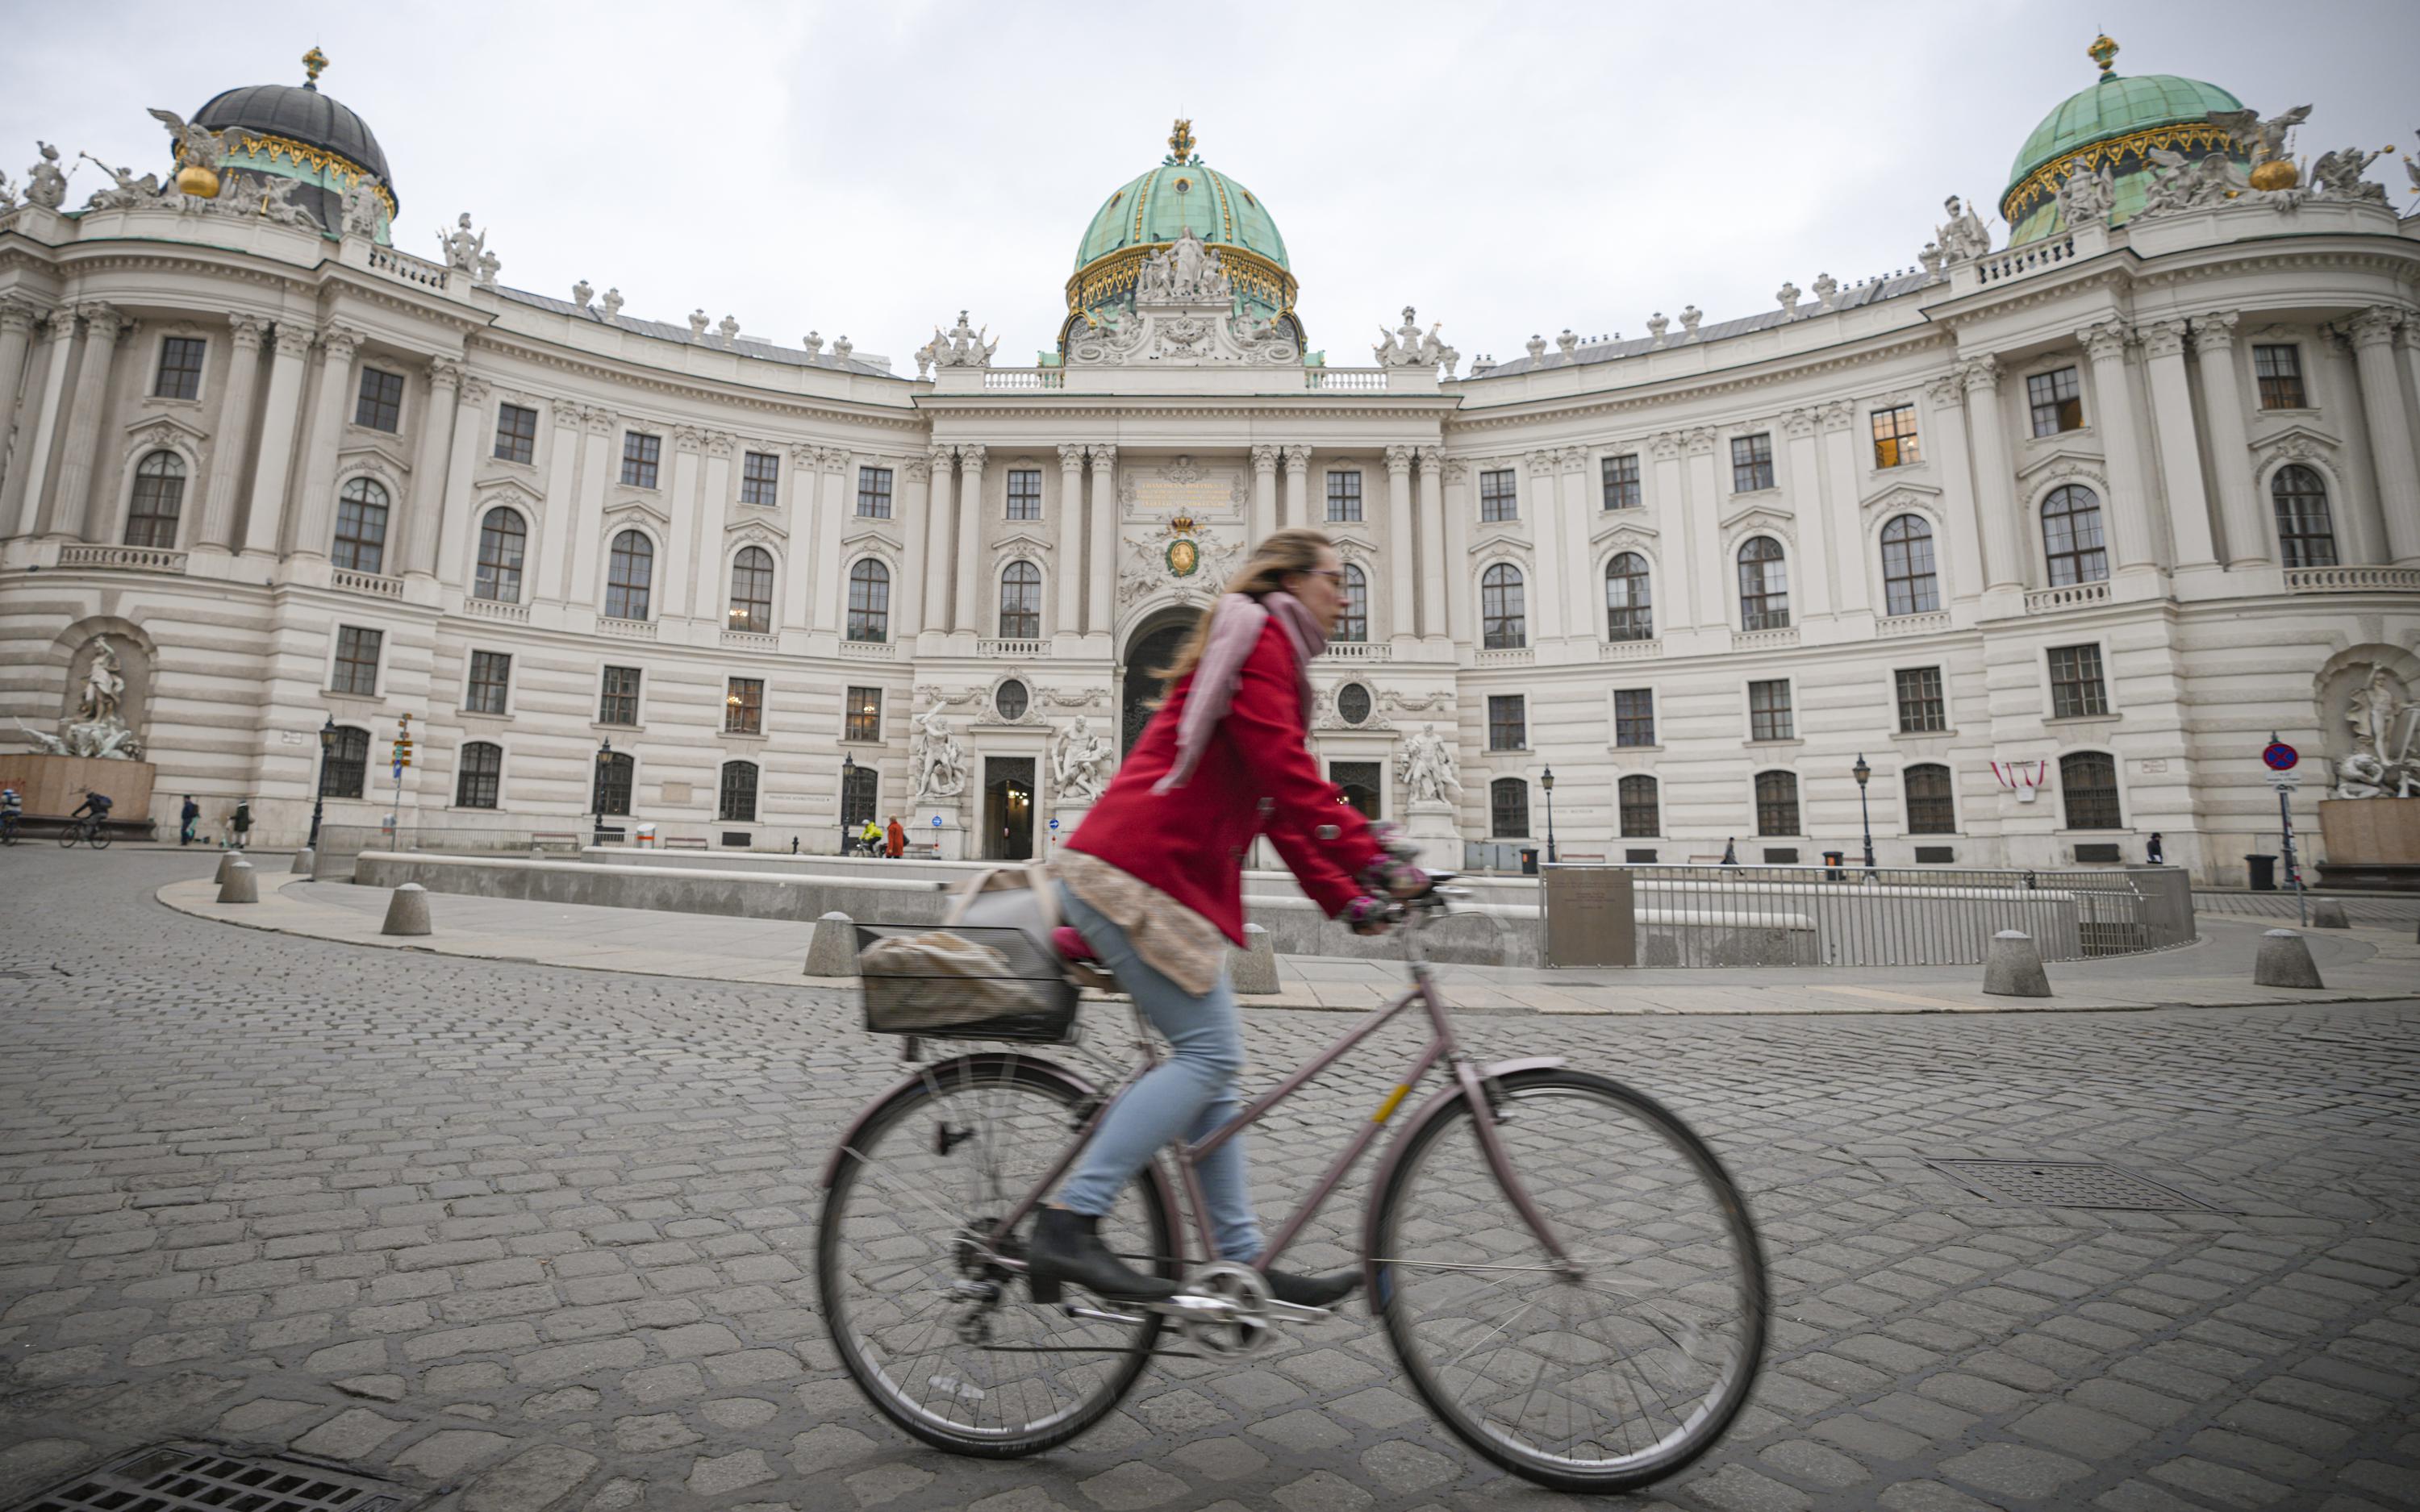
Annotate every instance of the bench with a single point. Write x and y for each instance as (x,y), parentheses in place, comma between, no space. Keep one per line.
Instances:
(1581,855)
(684,843)
(563,839)
(927,851)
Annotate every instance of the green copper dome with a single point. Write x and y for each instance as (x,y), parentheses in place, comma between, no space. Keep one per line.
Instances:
(1181,191)
(2113,124)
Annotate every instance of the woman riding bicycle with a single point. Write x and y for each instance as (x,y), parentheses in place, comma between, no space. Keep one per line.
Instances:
(1153,880)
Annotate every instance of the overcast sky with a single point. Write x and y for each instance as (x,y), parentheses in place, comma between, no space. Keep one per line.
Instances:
(869,168)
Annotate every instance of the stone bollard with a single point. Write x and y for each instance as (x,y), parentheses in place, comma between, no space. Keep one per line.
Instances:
(241,885)
(304,860)
(2328,913)
(2285,960)
(226,860)
(407,911)
(2012,967)
(1254,968)
(833,950)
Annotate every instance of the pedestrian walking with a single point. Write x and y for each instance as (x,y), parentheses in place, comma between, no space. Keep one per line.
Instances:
(1731,852)
(894,840)
(187,818)
(240,824)
(2153,851)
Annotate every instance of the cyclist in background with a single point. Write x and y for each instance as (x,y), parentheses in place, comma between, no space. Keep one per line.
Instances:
(13,807)
(95,804)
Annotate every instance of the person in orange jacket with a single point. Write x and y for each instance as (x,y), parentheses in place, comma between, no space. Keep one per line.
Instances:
(895,841)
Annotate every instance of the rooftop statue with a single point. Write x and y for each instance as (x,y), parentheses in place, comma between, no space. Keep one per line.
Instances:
(198,146)
(45,185)
(126,191)
(2178,183)
(1406,347)
(1185,271)
(962,346)
(1965,235)
(359,216)
(461,248)
(2338,175)
(2261,140)
(2084,197)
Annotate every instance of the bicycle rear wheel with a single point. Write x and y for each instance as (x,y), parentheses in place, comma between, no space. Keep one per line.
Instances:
(69,836)
(936,1332)
(99,839)
(1616,1373)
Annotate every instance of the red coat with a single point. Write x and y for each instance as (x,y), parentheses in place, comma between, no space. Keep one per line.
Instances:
(1256,776)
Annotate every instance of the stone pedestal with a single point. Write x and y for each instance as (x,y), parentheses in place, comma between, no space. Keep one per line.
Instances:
(950,835)
(1431,825)
(1068,816)
(53,786)
(2371,843)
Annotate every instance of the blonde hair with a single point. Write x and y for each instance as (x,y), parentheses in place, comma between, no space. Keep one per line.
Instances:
(1297,550)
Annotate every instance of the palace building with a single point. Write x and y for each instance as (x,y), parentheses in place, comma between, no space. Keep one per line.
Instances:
(2018,555)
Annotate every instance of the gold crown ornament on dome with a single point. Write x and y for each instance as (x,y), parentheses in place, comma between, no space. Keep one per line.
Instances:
(2104,51)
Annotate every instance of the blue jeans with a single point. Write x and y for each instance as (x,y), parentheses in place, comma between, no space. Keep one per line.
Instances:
(1187,1095)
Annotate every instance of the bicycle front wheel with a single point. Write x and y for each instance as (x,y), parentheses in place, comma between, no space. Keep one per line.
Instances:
(937,1332)
(1612,1372)
(99,839)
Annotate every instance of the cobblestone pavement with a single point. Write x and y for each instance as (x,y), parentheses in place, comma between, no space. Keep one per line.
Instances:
(540,1238)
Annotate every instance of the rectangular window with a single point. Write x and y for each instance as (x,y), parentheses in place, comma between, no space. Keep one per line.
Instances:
(2057,401)
(760,479)
(1929,809)
(1776,809)
(1895,437)
(1499,499)
(1921,710)
(1751,462)
(492,673)
(739,794)
(874,493)
(2076,682)
(345,767)
(864,708)
(180,368)
(743,707)
(1634,717)
(380,404)
(1343,496)
(1621,482)
(482,769)
(2088,784)
(516,433)
(1508,721)
(1362,783)
(2280,372)
(1508,809)
(1769,713)
(1640,819)
(1024,493)
(357,661)
(619,703)
(641,454)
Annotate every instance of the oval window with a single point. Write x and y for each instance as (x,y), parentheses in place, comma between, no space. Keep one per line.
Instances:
(1353,702)
(1012,701)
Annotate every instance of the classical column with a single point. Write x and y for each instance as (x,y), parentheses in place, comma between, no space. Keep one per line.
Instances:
(968,607)
(1430,511)
(583,583)
(1578,587)
(1399,542)
(1706,557)
(1945,429)
(1995,481)
(2390,434)
(411,540)
(691,572)
(17,319)
(551,568)
(943,536)
(1265,493)
(907,596)
(1456,566)
(1101,566)
(2230,446)
(2128,508)
(233,431)
(803,583)
(1542,594)
(73,512)
(26,478)
(313,537)
(1847,543)
(281,411)
(2163,358)
(1675,583)
(714,497)
(452,551)
(1070,566)
(1827,538)
(832,464)
(1297,489)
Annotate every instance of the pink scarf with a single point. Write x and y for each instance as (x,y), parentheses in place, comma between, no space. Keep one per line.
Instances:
(1236,623)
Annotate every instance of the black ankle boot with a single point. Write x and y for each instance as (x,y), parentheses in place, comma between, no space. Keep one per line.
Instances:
(1313,1290)
(1067,1248)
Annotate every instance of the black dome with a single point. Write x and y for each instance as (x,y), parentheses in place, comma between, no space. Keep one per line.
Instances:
(300,115)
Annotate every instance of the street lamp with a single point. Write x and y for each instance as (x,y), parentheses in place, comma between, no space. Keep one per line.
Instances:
(597,789)
(1546,780)
(848,770)
(1862,772)
(319,789)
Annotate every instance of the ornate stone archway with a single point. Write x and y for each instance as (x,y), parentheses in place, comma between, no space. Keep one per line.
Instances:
(1152,646)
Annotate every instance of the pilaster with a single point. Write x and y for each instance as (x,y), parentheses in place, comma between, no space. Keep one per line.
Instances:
(421,517)
(234,431)
(2128,509)
(1996,480)
(1542,587)
(1830,541)
(1067,573)
(586,585)
(1400,620)
(453,549)
(1265,493)
(1675,584)
(831,585)
(18,319)
(2390,437)
(1433,553)
(908,596)
(2230,448)
(942,549)
(1945,430)
(1297,487)
(2180,446)
(313,537)
(74,513)
(1576,583)
(967,599)
(264,519)
(691,570)
(1101,569)
(1455,473)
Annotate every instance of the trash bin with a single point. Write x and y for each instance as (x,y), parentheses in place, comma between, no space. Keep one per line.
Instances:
(2264,872)
(1832,861)
(1529,860)
(646,837)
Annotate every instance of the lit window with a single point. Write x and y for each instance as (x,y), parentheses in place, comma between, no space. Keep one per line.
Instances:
(2279,370)
(864,709)
(1895,437)
(743,707)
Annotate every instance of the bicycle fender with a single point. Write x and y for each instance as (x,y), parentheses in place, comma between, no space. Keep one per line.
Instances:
(1434,1108)
(988,1060)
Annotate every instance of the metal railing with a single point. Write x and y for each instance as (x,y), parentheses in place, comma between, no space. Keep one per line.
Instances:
(1697,915)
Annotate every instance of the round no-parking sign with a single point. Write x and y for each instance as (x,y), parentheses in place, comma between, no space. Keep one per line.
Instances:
(2280,756)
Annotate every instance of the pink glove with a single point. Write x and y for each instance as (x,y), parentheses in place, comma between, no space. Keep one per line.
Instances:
(1366,915)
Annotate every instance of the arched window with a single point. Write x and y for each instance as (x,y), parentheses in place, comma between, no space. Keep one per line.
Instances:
(483,769)
(159,500)
(1354,624)
(361,528)
(859,790)
(1629,612)
(503,539)
(1776,803)
(2071,522)
(629,577)
(1909,584)
(869,601)
(1508,809)
(614,783)
(2087,785)
(1931,809)
(1763,586)
(738,803)
(751,591)
(1020,602)
(1640,819)
(347,764)
(2306,537)
(1503,611)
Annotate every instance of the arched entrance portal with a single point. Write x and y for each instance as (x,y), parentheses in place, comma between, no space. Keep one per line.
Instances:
(1154,646)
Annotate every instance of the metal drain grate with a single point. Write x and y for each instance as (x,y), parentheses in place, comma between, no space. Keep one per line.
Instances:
(196,1477)
(2039,1183)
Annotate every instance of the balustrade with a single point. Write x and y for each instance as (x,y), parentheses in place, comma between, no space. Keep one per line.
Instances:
(2345,579)
(1913,624)
(1013,650)
(371,583)
(1629,650)
(1765,639)
(122,558)
(628,629)
(2073,595)
(488,609)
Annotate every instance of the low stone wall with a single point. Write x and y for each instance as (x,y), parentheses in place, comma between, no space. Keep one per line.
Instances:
(54,786)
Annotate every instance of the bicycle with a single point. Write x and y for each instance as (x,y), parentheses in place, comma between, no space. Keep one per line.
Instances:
(9,828)
(88,829)
(1520,1196)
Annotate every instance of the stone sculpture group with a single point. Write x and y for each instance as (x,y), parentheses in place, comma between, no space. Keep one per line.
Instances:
(99,729)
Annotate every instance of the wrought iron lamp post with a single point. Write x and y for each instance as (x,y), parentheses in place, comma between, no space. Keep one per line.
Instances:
(319,789)
(1546,780)
(597,789)
(848,770)
(1862,772)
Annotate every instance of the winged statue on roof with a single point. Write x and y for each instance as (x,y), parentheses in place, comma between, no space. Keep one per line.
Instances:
(2261,140)
(197,146)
